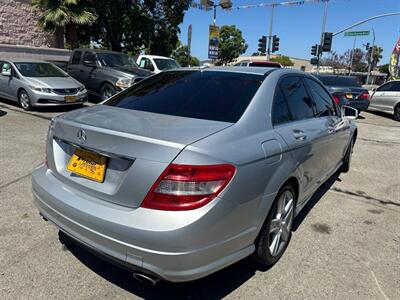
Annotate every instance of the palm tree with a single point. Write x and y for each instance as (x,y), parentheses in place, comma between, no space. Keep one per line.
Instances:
(376,57)
(63,16)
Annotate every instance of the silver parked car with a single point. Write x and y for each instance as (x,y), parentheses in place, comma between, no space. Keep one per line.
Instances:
(36,83)
(191,170)
(386,98)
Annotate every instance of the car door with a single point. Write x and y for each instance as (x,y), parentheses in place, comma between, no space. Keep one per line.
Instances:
(7,83)
(300,132)
(392,97)
(378,99)
(333,138)
(74,68)
(89,74)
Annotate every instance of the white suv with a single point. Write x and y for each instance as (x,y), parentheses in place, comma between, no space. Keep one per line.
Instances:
(156,64)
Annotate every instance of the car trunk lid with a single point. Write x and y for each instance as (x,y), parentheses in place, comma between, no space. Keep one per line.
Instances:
(138,147)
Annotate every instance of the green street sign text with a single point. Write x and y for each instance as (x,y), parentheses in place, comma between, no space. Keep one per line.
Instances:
(355,33)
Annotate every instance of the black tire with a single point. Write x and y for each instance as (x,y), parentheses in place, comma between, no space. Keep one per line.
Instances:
(65,240)
(24,100)
(107,91)
(396,114)
(263,255)
(347,158)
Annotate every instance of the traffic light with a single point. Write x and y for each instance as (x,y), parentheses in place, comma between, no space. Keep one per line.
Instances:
(275,43)
(327,41)
(367,46)
(314,50)
(262,44)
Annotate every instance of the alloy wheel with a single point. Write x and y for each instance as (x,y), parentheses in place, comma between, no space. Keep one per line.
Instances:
(24,100)
(107,93)
(281,224)
(397,113)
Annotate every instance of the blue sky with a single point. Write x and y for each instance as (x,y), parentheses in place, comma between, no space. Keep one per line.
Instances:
(299,27)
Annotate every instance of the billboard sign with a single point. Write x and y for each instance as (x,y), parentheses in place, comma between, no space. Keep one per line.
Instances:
(213,40)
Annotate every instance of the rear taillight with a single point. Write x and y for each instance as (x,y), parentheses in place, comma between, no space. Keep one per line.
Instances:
(364,96)
(336,99)
(186,187)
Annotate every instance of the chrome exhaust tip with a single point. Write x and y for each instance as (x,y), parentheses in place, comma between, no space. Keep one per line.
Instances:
(146,279)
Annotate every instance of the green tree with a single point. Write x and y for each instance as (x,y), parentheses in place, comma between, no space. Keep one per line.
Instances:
(181,55)
(384,69)
(376,57)
(231,44)
(283,60)
(64,16)
(135,25)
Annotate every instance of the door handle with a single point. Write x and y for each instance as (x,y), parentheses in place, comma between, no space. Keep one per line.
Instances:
(81,71)
(299,135)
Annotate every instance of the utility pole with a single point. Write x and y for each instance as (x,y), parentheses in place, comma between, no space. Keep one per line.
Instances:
(270,30)
(372,55)
(352,55)
(215,15)
(322,32)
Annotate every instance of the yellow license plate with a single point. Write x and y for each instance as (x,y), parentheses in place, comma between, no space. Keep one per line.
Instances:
(88,164)
(349,96)
(69,99)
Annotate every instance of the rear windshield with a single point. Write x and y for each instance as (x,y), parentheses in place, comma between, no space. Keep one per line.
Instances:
(264,64)
(219,96)
(339,81)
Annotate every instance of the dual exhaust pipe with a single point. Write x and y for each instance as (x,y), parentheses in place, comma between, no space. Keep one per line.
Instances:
(146,279)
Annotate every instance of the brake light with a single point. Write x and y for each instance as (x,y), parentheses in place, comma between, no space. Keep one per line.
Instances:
(186,187)
(336,99)
(364,96)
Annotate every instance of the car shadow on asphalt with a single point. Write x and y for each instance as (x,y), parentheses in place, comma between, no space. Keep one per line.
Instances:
(214,286)
(381,114)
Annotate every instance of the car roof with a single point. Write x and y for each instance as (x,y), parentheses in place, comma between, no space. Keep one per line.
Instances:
(155,56)
(332,76)
(25,60)
(97,50)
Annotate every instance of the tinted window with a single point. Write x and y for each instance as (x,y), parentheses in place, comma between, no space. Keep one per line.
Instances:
(280,110)
(323,105)
(111,59)
(220,96)
(166,64)
(299,102)
(89,56)
(264,64)
(339,81)
(76,57)
(30,69)
(390,86)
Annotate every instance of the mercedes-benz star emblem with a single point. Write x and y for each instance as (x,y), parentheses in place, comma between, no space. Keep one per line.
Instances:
(81,135)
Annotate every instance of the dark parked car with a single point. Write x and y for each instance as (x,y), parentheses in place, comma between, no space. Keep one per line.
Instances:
(346,90)
(104,73)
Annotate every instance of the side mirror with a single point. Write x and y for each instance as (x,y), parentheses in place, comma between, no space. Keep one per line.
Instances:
(89,63)
(348,112)
(6,73)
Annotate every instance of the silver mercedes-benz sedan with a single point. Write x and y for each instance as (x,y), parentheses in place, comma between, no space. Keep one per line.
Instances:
(386,98)
(191,170)
(37,83)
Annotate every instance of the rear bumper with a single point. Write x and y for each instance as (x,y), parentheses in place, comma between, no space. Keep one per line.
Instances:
(359,104)
(184,251)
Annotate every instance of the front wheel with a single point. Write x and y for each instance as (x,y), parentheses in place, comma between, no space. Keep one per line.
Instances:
(347,158)
(397,112)
(107,91)
(277,230)
(24,100)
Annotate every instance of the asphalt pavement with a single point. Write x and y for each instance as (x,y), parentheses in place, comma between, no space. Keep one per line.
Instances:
(345,244)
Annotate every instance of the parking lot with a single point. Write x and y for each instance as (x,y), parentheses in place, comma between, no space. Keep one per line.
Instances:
(345,245)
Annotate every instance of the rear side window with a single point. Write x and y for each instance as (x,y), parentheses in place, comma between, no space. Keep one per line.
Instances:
(323,104)
(280,109)
(76,58)
(89,56)
(300,105)
(211,95)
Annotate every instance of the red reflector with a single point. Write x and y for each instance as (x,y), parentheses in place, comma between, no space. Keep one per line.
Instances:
(336,99)
(364,96)
(186,187)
